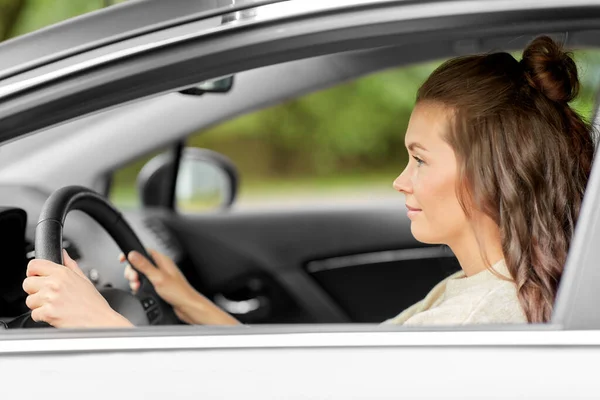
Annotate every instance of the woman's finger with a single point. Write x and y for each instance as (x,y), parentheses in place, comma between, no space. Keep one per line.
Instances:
(130,274)
(39,267)
(38,315)
(33,284)
(72,265)
(127,272)
(134,286)
(162,261)
(142,264)
(34,301)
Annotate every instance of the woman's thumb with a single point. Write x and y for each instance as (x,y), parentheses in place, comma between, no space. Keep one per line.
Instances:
(72,265)
(162,261)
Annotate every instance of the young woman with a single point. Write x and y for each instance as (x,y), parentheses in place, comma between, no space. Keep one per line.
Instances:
(498,167)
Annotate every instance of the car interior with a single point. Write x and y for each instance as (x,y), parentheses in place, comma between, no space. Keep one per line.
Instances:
(327,264)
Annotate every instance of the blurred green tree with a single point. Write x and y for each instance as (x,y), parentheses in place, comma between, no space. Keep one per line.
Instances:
(9,15)
(18,17)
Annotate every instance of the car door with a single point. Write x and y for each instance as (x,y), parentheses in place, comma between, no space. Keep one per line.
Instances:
(319,361)
(299,363)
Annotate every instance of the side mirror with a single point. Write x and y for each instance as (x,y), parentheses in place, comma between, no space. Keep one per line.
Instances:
(206,180)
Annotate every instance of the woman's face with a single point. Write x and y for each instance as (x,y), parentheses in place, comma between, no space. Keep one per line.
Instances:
(429,179)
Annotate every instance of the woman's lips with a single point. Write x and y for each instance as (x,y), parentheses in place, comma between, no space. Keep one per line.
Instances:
(412,212)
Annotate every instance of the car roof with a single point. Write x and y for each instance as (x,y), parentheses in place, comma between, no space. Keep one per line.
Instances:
(106,26)
(136,18)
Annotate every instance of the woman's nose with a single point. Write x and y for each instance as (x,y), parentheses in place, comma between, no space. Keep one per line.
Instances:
(402,183)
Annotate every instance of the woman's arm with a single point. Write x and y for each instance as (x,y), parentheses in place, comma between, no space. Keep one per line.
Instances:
(65,298)
(171,285)
(201,311)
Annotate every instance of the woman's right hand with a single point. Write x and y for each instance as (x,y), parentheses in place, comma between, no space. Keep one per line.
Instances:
(172,286)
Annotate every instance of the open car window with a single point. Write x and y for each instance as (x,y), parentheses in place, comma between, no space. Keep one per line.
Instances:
(335,146)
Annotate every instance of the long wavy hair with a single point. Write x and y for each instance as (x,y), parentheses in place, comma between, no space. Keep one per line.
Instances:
(524,156)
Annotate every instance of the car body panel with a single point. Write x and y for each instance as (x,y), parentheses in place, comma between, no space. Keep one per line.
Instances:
(107,26)
(303,365)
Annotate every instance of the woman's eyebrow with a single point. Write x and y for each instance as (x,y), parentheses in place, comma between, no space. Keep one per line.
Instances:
(414,145)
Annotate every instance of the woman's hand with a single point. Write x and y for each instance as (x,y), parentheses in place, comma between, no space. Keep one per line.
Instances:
(65,298)
(170,284)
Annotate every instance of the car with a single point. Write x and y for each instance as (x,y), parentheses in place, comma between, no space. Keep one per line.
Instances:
(311,283)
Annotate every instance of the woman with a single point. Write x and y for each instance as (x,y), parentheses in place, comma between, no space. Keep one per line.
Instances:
(497,171)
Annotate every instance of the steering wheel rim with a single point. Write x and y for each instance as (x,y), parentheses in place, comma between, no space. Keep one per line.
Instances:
(142,308)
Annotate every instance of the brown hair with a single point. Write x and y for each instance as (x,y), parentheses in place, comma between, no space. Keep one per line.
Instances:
(524,156)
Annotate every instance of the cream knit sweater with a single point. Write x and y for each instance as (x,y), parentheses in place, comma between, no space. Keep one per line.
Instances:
(482,298)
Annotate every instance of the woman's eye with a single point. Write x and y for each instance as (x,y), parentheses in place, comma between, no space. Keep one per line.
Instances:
(418,160)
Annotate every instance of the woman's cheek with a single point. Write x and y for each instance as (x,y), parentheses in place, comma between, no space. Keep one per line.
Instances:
(415,177)
(419,183)
(432,194)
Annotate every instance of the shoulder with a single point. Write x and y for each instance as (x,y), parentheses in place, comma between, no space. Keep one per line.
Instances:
(499,305)
(434,296)
(494,302)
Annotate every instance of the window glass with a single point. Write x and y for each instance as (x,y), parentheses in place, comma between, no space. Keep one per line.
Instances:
(343,145)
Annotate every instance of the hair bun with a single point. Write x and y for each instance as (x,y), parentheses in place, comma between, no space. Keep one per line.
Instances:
(550,70)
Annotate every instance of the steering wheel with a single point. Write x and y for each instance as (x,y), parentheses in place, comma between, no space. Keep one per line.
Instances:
(145,307)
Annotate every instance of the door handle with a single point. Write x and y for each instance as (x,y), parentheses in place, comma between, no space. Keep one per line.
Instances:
(240,307)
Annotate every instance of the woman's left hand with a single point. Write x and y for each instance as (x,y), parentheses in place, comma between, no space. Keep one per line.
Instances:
(65,298)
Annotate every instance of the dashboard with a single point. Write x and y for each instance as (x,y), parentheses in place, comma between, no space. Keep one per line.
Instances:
(86,242)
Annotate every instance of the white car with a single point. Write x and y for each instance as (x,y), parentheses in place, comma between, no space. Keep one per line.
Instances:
(80,99)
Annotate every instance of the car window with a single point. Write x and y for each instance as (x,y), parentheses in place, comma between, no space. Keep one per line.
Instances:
(342,145)
(339,146)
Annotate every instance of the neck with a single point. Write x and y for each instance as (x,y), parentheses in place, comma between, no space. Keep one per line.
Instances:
(476,256)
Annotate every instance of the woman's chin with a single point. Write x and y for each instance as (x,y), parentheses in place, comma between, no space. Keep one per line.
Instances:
(423,235)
